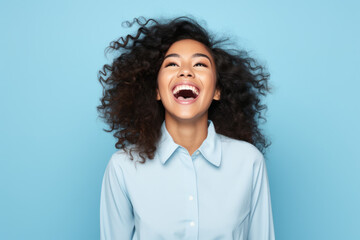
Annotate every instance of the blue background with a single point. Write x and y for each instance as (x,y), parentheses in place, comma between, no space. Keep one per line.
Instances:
(53,151)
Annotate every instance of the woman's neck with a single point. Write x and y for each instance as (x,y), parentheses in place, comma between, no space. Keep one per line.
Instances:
(188,134)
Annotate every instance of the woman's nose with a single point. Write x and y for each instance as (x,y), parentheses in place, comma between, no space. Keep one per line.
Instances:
(185,72)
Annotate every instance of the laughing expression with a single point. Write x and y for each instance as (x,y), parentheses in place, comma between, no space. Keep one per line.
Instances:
(187,80)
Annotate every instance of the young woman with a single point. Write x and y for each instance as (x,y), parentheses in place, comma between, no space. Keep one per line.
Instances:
(185,112)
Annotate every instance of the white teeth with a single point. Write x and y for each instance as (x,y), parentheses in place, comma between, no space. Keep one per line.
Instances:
(182,87)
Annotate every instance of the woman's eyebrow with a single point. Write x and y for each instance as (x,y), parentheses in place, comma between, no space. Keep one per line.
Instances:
(201,55)
(194,55)
(172,55)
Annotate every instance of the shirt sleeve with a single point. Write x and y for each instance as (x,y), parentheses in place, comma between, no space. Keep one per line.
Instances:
(261,220)
(116,212)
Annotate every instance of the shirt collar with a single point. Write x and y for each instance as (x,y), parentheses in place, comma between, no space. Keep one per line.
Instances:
(210,148)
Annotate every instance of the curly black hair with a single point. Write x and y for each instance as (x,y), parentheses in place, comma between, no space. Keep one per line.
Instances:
(129,105)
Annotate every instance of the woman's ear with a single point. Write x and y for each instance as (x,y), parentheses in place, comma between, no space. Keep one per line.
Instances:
(217,95)
(157,94)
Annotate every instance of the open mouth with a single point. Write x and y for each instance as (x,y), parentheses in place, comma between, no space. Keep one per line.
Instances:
(185,92)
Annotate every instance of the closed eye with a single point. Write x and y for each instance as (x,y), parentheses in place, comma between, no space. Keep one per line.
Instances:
(171,64)
(200,65)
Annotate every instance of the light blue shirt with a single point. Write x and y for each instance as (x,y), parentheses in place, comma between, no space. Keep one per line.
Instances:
(220,192)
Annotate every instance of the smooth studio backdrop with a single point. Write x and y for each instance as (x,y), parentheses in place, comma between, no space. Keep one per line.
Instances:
(53,151)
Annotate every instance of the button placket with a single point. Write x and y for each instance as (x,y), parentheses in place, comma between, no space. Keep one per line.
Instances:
(192,201)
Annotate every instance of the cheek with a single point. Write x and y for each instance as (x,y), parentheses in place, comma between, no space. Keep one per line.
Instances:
(209,81)
(160,80)
(164,79)
(161,85)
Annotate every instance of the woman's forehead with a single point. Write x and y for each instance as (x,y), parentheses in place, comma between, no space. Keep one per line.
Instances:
(187,46)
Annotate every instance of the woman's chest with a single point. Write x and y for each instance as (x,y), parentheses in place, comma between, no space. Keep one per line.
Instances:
(192,199)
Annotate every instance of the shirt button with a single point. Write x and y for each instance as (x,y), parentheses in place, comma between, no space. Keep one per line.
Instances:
(192,224)
(191,197)
(197,153)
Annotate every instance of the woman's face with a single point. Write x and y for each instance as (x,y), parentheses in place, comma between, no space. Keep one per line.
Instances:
(187,80)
